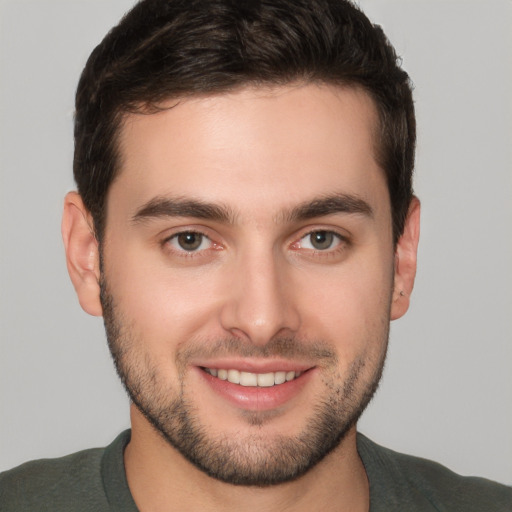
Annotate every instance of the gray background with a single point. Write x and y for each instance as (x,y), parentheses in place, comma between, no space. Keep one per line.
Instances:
(447,388)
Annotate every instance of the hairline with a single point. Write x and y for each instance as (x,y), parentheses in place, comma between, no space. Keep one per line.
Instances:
(120,115)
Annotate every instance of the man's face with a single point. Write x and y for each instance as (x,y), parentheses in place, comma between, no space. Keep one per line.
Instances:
(249,239)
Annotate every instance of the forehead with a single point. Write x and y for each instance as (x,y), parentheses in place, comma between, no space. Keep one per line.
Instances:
(256,149)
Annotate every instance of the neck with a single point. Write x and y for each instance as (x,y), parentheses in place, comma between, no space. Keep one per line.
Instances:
(161,480)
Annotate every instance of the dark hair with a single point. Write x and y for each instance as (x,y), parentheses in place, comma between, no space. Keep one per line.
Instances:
(173,48)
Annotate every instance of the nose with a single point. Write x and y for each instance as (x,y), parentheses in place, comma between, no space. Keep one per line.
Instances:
(260,304)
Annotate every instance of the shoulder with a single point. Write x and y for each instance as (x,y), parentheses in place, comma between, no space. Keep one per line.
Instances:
(71,483)
(419,480)
(444,487)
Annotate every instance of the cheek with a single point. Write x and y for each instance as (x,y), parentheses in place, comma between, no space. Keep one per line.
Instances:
(164,304)
(347,305)
(349,308)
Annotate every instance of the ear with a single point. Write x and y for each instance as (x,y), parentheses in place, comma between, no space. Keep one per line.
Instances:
(405,261)
(82,253)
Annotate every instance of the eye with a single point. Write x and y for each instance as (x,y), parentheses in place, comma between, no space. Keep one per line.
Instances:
(320,240)
(189,241)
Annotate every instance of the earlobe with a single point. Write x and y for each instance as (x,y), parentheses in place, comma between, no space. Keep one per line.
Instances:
(405,261)
(82,253)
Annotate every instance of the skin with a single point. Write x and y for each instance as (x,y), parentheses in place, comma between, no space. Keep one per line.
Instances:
(259,153)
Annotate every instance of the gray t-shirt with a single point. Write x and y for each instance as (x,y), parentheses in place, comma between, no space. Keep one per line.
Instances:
(95,480)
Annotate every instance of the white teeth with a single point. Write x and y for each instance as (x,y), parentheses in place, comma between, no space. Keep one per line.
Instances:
(280,377)
(263,380)
(234,376)
(248,379)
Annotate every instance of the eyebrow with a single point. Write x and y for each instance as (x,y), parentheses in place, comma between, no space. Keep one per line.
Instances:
(329,205)
(161,207)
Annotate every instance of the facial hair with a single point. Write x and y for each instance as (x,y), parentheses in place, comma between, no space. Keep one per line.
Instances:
(250,460)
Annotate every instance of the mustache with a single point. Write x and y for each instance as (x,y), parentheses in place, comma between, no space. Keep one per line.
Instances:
(283,347)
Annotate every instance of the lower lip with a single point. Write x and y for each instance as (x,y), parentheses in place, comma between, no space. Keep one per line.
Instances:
(253,398)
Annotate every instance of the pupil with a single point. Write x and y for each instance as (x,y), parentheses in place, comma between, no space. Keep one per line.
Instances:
(321,239)
(190,241)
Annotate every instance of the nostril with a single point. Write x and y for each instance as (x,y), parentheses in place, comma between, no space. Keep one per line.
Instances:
(257,307)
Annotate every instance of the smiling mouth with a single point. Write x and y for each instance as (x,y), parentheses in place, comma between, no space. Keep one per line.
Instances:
(263,380)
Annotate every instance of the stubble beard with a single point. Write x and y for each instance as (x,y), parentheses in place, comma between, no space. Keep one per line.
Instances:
(251,460)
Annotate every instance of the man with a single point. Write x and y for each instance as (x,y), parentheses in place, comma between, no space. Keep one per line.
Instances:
(245,224)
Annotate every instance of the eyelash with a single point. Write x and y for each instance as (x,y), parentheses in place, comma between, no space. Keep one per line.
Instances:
(341,245)
(183,252)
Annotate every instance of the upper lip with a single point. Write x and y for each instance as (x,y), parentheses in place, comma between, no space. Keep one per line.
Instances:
(255,365)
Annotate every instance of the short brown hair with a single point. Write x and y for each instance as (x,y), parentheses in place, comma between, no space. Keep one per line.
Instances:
(173,48)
